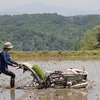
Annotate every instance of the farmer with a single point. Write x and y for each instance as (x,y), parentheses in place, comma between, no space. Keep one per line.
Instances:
(5,61)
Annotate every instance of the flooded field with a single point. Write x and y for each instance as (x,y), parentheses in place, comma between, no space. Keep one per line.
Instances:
(91,92)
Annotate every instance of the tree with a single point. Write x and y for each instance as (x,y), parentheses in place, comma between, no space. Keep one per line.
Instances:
(98,36)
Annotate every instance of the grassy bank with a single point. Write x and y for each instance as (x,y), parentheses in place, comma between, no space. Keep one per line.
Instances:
(55,55)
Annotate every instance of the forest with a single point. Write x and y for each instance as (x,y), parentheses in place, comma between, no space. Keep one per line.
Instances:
(33,32)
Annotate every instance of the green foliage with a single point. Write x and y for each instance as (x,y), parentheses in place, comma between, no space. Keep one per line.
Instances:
(92,39)
(29,32)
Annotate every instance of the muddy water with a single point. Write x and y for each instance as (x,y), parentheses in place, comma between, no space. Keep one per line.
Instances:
(91,92)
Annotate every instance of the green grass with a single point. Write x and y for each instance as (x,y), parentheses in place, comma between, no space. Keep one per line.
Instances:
(55,55)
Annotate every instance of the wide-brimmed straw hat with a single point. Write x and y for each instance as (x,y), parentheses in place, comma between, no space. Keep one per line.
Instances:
(8,45)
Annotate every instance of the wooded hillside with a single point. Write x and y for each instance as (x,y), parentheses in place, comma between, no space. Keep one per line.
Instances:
(45,31)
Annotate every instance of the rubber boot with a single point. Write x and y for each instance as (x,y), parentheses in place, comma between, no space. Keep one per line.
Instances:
(12,83)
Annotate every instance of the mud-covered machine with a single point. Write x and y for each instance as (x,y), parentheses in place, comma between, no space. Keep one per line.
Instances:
(71,78)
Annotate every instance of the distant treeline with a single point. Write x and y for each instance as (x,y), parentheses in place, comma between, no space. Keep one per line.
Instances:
(31,32)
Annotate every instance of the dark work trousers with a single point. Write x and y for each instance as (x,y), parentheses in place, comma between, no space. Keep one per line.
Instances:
(12,80)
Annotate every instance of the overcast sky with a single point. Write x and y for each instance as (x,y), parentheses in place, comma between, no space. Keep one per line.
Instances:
(93,5)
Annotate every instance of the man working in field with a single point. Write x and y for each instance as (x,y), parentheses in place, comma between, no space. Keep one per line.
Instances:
(5,61)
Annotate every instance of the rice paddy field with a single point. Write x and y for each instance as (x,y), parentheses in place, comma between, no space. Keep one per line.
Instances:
(54,60)
(55,55)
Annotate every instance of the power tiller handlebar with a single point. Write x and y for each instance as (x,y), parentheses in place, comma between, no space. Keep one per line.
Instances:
(21,66)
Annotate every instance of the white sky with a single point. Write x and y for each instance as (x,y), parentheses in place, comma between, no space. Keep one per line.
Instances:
(77,3)
(93,5)
(84,4)
(13,3)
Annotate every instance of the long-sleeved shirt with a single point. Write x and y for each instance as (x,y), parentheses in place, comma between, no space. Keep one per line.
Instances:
(5,61)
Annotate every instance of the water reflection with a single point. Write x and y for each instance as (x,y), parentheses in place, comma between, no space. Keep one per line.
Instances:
(12,94)
(62,94)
